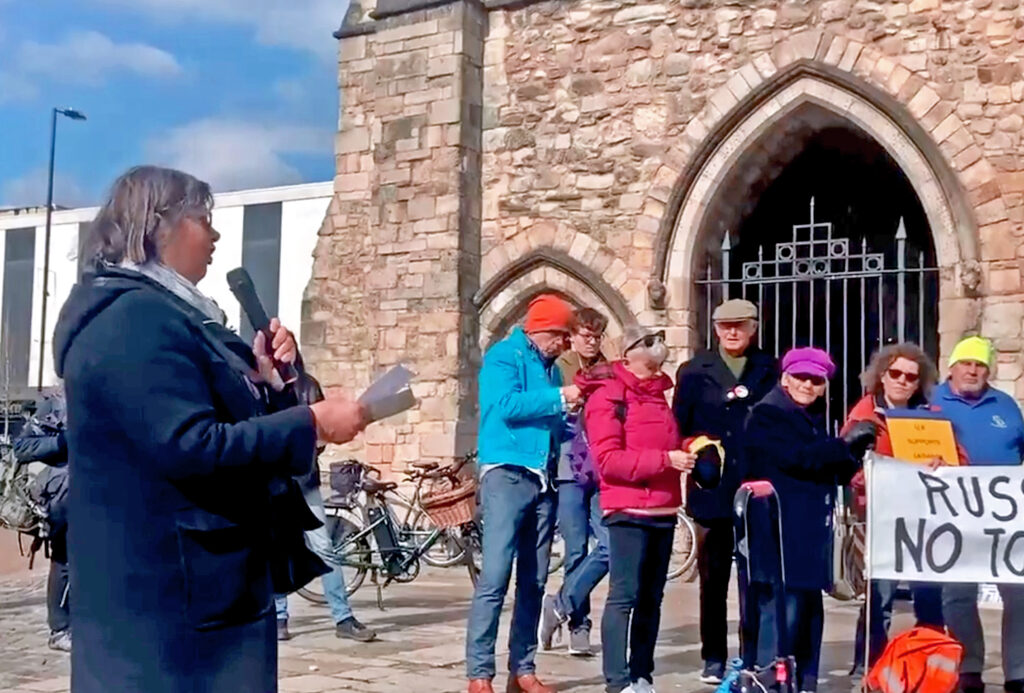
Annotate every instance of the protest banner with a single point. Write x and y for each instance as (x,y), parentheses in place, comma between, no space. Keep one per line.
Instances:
(954,524)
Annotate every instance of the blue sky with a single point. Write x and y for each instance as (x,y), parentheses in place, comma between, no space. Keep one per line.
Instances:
(241,93)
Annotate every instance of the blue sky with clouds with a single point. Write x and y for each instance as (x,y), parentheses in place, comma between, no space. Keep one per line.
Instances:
(242,93)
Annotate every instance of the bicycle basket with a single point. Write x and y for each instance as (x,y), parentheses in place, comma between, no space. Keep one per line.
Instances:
(451,507)
(346,479)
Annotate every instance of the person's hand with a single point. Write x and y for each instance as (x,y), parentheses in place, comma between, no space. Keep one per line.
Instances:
(681,460)
(860,438)
(282,350)
(572,395)
(338,420)
(937,462)
(282,343)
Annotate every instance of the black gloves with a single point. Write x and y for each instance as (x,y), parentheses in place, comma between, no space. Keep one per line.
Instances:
(860,438)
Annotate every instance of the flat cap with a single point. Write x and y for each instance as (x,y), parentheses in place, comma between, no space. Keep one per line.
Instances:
(734,310)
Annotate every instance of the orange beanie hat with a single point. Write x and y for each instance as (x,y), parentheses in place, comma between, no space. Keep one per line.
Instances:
(548,312)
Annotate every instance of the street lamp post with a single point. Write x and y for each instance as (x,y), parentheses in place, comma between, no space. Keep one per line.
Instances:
(73,115)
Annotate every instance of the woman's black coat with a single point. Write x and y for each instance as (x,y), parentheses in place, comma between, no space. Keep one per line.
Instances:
(790,447)
(179,482)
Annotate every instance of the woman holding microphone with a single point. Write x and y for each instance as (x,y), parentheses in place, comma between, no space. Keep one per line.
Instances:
(182,440)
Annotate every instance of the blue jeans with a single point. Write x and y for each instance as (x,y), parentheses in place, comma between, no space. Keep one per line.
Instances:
(518,520)
(579,518)
(334,582)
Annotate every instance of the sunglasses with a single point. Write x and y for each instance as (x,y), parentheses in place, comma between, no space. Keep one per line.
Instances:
(648,341)
(896,374)
(816,380)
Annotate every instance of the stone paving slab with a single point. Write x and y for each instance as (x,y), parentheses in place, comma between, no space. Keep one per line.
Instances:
(422,642)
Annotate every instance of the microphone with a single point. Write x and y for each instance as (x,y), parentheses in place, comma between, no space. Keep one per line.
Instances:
(244,290)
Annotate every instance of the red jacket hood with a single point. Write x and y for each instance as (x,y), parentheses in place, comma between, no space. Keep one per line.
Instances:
(591,379)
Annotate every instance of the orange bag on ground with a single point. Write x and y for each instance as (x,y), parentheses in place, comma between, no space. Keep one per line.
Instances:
(922,660)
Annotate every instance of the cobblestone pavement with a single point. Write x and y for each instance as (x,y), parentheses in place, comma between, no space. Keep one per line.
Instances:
(421,643)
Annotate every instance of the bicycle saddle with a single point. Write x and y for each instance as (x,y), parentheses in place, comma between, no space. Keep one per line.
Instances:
(371,485)
(424,466)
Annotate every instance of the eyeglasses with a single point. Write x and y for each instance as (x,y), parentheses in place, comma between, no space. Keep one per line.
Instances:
(896,374)
(816,380)
(586,337)
(648,341)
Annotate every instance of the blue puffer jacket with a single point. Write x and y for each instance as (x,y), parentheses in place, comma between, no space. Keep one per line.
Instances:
(521,413)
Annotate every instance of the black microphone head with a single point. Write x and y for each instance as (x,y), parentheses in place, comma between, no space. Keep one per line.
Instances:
(238,278)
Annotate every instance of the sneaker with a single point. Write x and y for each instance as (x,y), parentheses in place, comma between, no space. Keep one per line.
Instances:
(643,686)
(282,630)
(971,683)
(60,641)
(579,644)
(550,623)
(352,629)
(713,672)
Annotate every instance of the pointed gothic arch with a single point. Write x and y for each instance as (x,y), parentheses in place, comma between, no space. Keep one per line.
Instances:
(684,229)
(502,301)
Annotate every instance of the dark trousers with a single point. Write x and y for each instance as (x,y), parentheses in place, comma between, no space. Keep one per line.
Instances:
(805,621)
(927,611)
(715,541)
(579,518)
(58,613)
(638,567)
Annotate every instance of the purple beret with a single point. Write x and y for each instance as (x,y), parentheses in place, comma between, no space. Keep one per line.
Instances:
(808,361)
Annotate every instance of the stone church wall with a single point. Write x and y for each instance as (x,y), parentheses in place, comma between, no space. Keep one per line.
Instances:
(490,151)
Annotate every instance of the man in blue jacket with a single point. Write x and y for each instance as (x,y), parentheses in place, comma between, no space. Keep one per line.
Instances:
(989,426)
(522,421)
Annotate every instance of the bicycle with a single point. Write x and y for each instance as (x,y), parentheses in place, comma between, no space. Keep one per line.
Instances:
(415,522)
(684,548)
(367,539)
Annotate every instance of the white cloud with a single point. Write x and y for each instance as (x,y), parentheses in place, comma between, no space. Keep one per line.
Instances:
(234,154)
(302,24)
(16,87)
(293,91)
(87,57)
(30,190)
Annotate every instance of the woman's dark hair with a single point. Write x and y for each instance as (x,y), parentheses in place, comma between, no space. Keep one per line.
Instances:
(144,204)
(883,359)
(590,319)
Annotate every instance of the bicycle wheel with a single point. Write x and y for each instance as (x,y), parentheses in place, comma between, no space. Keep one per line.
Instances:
(449,549)
(684,549)
(354,554)
(473,556)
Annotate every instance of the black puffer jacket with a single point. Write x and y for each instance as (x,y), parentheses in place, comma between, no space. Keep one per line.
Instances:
(43,440)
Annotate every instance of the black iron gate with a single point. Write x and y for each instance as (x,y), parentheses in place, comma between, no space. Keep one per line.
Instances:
(838,294)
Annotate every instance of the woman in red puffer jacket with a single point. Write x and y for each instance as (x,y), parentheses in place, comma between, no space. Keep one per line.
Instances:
(635,444)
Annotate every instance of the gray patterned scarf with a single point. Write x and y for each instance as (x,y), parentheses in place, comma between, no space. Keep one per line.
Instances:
(180,287)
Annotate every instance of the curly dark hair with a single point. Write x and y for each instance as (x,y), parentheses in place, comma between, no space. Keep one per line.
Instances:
(871,378)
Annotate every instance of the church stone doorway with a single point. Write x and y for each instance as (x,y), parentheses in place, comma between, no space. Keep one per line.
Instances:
(820,227)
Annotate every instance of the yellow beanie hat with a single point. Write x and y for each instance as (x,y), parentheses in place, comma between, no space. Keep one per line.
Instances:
(972,349)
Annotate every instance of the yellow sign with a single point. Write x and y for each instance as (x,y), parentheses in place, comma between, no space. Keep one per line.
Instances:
(923,440)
